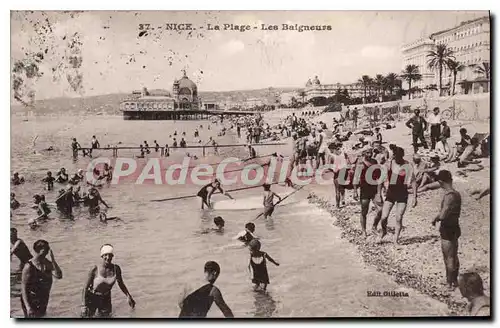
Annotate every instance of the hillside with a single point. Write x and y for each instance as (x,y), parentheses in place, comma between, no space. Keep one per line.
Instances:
(109,103)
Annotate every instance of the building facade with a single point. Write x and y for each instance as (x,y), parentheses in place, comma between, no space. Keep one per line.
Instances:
(470,43)
(160,103)
(314,89)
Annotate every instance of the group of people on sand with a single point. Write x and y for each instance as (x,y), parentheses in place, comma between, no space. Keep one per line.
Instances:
(384,178)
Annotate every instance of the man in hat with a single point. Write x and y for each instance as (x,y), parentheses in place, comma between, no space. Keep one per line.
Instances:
(418,126)
(449,229)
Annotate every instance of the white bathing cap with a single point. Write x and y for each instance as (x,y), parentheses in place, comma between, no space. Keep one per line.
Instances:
(106,249)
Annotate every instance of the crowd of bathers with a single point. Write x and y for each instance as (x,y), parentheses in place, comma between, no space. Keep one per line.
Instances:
(315,144)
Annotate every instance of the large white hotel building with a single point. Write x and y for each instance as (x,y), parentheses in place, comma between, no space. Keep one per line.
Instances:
(470,42)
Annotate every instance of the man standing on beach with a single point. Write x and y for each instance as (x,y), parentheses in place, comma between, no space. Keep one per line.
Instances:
(418,125)
(435,122)
(449,229)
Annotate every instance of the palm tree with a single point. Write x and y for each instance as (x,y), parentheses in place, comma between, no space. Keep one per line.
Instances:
(438,60)
(483,69)
(391,81)
(365,80)
(454,67)
(411,73)
(379,83)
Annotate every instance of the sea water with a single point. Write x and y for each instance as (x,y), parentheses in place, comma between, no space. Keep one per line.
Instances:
(159,245)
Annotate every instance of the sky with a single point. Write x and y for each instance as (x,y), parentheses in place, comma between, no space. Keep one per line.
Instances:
(115,59)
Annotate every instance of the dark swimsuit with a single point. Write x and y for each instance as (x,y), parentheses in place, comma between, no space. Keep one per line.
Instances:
(397,192)
(260,275)
(450,228)
(203,193)
(38,290)
(23,253)
(198,303)
(367,190)
(246,238)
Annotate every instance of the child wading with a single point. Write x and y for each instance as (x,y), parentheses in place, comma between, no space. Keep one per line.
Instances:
(258,265)
(268,201)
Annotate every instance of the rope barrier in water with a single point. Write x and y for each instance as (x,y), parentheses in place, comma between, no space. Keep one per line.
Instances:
(217,192)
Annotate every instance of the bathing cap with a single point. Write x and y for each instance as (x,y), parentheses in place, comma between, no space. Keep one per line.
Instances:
(254,244)
(106,249)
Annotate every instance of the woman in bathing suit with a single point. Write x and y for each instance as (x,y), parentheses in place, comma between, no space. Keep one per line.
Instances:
(101,279)
(198,303)
(400,175)
(206,192)
(258,265)
(36,280)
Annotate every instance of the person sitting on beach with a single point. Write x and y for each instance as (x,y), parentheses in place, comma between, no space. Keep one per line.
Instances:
(246,235)
(100,281)
(361,144)
(207,191)
(428,178)
(16,179)
(258,265)
(268,200)
(49,180)
(62,176)
(14,204)
(19,248)
(471,287)
(196,304)
(470,152)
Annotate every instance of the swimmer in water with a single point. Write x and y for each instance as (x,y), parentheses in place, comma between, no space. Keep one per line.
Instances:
(100,281)
(94,144)
(157,146)
(75,146)
(207,191)
(43,211)
(92,201)
(14,204)
(19,249)
(247,235)
(268,200)
(49,180)
(219,226)
(16,180)
(258,265)
(62,176)
(198,303)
